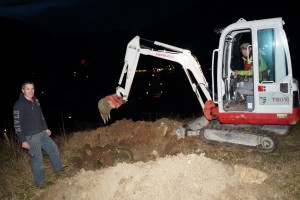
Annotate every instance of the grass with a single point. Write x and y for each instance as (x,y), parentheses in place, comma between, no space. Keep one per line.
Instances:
(15,170)
(16,181)
(282,165)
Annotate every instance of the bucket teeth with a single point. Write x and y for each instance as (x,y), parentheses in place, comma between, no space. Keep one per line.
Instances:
(104,109)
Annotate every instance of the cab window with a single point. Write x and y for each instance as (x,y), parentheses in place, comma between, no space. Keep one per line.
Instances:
(271,48)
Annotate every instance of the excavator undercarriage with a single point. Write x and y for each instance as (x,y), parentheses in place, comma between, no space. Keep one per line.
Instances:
(260,138)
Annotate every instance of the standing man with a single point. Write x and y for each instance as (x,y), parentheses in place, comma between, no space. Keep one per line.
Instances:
(33,133)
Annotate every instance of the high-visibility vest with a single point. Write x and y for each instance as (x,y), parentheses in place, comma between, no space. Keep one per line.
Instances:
(263,69)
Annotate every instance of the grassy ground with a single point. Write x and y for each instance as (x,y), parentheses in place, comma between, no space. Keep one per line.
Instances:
(16,178)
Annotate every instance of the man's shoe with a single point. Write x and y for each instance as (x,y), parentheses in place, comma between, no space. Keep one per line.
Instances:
(41,186)
(47,184)
(64,167)
(60,173)
(62,170)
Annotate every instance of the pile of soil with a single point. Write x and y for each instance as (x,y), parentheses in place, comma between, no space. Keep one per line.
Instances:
(146,160)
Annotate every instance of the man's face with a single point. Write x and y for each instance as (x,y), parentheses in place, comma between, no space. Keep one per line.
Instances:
(28,91)
(246,52)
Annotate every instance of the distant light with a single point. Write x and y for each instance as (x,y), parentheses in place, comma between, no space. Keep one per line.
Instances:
(160,83)
(147,92)
(42,92)
(140,70)
(87,76)
(5,130)
(83,62)
(70,117)
(153,75)
(149,84)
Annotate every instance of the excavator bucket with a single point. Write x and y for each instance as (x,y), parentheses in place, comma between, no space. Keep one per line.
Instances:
(104,109)
(107,103)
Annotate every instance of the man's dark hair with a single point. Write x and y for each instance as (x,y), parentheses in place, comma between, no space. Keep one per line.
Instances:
(26,82)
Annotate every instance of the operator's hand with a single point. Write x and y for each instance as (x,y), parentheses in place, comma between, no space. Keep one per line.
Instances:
(235,72)
(48,132)
(25,145)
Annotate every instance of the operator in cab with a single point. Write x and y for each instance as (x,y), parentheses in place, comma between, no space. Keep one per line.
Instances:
(246,50)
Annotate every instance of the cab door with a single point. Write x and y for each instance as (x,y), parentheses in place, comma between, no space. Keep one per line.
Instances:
(275,93)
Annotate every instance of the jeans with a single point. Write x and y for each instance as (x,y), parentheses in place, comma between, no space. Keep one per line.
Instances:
(38,142)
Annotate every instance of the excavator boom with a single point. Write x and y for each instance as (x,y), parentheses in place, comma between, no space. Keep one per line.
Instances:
(184,57)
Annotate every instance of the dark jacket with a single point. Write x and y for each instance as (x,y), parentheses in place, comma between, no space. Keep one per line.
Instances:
(28,117)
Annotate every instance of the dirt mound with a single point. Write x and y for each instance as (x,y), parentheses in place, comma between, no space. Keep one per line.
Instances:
(145,160)
(126,140)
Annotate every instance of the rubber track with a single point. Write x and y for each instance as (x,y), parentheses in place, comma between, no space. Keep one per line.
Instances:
(236,128)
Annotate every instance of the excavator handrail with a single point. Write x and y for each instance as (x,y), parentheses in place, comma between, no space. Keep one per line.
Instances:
(213,75)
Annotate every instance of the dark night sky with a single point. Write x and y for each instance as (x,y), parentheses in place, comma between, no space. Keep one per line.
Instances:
(81,16)
(50,37)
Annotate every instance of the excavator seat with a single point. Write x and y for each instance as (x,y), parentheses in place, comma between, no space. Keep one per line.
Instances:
(243,89)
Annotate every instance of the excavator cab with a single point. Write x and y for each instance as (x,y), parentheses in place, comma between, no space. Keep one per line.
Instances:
(268,96)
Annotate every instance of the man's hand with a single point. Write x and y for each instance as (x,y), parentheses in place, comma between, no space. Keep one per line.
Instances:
(25,145)
(48,132)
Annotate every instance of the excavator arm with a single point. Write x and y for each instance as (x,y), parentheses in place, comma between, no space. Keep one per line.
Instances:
(184,57)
